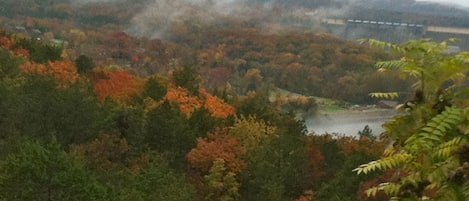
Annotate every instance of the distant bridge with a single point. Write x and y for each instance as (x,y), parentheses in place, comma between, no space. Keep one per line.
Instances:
(394,31)
(438,29)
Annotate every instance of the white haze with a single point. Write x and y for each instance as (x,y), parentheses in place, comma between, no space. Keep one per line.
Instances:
(159,15)
(463,3)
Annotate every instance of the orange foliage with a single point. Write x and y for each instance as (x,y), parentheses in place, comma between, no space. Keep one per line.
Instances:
(307,196)
(216,106)
(219,145)
(187,103)
(64,71)
(120,85)
(7,43)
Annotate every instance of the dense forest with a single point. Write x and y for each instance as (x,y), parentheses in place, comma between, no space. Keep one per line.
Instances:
(75,131)
(95,106)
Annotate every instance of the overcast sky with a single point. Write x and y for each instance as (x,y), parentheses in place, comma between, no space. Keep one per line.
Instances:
(464,3)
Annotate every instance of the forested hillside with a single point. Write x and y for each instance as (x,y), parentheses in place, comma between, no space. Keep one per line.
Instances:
(99,102)
(72,130)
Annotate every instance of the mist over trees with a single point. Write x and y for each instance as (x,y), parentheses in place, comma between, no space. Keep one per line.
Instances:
(203,100)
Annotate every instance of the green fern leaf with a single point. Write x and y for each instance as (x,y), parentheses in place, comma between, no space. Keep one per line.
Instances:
(385,95)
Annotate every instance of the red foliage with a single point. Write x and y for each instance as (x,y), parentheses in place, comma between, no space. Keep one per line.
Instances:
(315,171)
(362,144)
(21,52)
(5,42)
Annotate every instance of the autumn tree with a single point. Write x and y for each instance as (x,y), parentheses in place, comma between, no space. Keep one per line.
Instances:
(222,185)
(119,85)
(64,72)
(217,145)
(216,161)
(216,106)
(252,133)
(188,102)
(183,99)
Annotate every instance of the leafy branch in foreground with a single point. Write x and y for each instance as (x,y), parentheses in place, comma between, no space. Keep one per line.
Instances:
(429,141)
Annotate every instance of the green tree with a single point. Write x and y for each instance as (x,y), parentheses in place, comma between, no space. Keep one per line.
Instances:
(223,185)
(252,132)
(276,169)
(429,137)
(154,89)
(46,172)
(84,64)
(43,110)
(345,183)
(187,77)
(159,182)
(9,64)
(168,131)
(40,52)
(367,132)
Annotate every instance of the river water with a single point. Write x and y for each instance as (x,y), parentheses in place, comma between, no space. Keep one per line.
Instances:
(348,122)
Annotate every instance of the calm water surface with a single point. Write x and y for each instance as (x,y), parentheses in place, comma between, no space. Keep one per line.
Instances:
(348,122)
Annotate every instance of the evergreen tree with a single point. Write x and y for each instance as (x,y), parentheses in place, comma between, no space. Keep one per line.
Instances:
(46,172)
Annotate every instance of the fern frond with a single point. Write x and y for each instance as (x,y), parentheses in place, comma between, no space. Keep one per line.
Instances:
(389,162)
(374,43)
(389,151)
(432,134)
(385,95)
(388,188)
(390,65)
(465,190)
(382,45)
(451,193)
(447,149)
(462,57)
